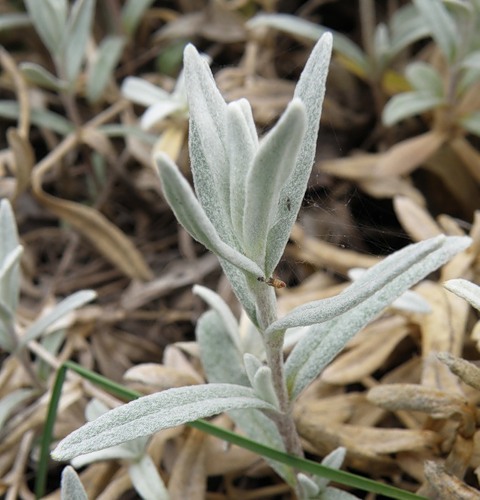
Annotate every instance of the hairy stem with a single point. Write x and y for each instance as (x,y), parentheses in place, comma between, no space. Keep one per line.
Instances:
(266,314)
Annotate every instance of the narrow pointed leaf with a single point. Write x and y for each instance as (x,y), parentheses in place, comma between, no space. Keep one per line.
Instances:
(8,229)
(40,76)
(190,214)
(152,413)
(107,57)
(310,89)
(72,302)
(370,282)
(72,488)
(241,149)
(219,305)
(238,282)
(441,24)
(79,26)
(409,104)
(132,13)
(10,279)
(466,290)
(273,164)
(143,92)
(146,479)
(10,252)
(207,141)
(377,288)
(49,18)
(221,358)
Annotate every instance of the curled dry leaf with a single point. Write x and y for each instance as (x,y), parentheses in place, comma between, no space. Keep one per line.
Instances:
(105,236)
(442,331)
(441,484)
(366,442)
(467,371)
(436,403)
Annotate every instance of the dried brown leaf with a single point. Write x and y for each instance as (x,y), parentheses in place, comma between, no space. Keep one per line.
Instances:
(176,275)
(104,235)
(457,187)
(475,335)
(319,253)
(368,355)
(468,154)
(23,159)
(443,330)
(467,371)
(388,187)
(365,441)
(354,168)
(406,156)
(189,479)
(415,219)
(445,485)
(100,143)
(436,403)
(158,377)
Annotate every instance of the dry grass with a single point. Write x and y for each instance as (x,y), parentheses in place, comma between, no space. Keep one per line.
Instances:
(91,215)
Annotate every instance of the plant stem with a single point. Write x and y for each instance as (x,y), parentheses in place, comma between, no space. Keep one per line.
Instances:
(266,314)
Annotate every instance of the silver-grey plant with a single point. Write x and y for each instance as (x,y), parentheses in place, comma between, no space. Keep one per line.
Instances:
(249,193)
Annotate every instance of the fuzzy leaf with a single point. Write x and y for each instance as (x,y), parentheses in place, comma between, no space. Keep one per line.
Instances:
(424,77)
(78,30)
(143,92)
(107,57)
(441,24)
(152,413)
(40,76)
(72,488)
(146,480)
(310,90)
(72,302)
(190,214)
(132,13)
(408,104)
(272,166)
(12,400)
(242,144)
(238,281)
(207,142)
(344,315)
(296,26)
(221,358)
(14,21)
(466,290)
(258,427)
(219,305)
(10,252)
(406,27)
(49,18)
